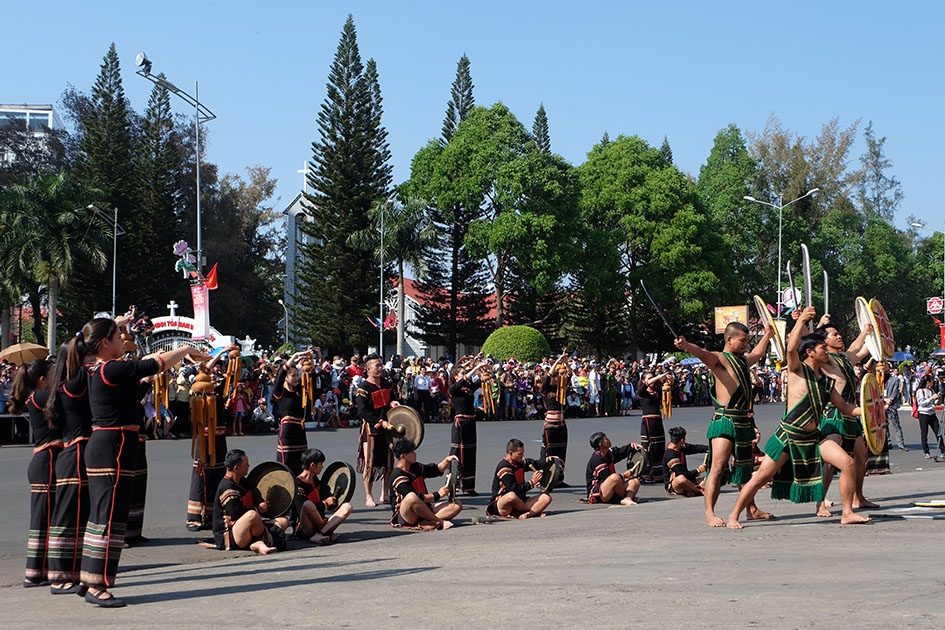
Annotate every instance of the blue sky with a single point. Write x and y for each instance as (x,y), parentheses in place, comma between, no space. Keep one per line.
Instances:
(680,69)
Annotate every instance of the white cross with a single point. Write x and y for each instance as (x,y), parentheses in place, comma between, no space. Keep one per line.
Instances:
(173,306)
(304,172)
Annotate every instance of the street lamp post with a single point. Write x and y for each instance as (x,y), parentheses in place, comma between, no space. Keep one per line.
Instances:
(117,231)
(380,322)
(780,208)
(286,311)
(201,115)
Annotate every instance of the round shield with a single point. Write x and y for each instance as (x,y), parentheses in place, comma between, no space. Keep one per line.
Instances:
(552,474)
(405,423)
(864,316)
(275,484)
(874,414)
(764,315)
(339,477)
(452,479)
(885,330)
(636,461)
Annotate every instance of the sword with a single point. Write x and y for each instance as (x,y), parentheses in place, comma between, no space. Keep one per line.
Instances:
(659,311)
(790,278)
(808,286)
(826,293)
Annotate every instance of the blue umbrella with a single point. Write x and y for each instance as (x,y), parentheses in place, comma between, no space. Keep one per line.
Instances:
(902,356)
(939,353)
(691,361)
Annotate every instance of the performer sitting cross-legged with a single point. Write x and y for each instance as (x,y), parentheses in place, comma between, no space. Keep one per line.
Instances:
(797,440)
(679,479)
(236,525)
(604,483)
(509,486)
(308,511)
(413,506)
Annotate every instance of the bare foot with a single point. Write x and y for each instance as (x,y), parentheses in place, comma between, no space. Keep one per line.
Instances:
(714,521)
(385,498)
(733,523)
(854,519)
(369,502)
(756,514)
(822,510)
(262,548)
(319,539)
(864,503)
(444,524)
(628,501)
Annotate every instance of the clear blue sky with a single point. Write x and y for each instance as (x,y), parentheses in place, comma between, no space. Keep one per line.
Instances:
(679,69)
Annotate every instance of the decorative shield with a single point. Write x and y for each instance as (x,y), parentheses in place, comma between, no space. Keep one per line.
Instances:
(874,414)
(885,330)
(339,477)
(777,344)
(452,479)
(864,316)
(274,483)
(552,474)
(636,461)
(405,423)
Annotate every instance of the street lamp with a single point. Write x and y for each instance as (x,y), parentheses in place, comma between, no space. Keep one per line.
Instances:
(924,227)
(286,310)
(201,115)
(780,208)
(117,232)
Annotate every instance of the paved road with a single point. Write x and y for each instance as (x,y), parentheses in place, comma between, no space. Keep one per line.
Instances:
(612,567)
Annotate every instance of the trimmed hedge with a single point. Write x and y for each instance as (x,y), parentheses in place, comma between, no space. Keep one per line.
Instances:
(522,342)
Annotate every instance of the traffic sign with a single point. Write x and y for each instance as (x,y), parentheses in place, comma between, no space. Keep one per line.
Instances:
(935,305)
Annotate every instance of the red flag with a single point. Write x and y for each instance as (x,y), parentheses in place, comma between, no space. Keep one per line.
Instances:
(211,280)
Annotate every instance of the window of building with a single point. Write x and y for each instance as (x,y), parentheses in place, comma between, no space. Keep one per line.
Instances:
(38,122)
(13,119)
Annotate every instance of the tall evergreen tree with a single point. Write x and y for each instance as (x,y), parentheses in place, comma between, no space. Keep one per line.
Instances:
(877,192)
(540,130)
(461,99)
(105,161)
(349,172)
(666,150)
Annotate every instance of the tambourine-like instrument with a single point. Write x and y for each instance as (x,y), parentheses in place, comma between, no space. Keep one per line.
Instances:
(405,423)
(880,342)
(636,462)
(777,344)
(452,479)
(275,484)
(552,473)
(873,414)
(340,479)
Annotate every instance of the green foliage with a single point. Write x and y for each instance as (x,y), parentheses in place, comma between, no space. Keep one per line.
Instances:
(461,99)
(521,342)
(540,130)
(877,191)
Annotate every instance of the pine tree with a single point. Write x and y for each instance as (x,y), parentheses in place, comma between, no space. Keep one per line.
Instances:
(461,99)
(540,130)
(104,161)
(349,173)
(877,192)
(666,150)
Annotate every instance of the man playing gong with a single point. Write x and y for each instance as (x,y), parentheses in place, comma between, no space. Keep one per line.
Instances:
(312,498)
(236,524)
(731,429)
(797,440)
(604,483)
(509,487)
(413,506)
(374,400)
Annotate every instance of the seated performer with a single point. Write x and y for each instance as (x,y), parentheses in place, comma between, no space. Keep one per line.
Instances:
(604,483)
(680,480)
(236,524)
(509,486)
(412,505)
(308,511)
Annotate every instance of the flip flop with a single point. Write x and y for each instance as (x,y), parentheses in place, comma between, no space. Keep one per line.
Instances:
(104,602)
(65,589)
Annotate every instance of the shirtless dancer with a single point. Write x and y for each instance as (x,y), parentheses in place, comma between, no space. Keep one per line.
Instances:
(732,427)
(809,390)
(835,427)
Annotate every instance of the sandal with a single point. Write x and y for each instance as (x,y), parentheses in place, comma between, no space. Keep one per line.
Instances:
(67,588)
(101,600)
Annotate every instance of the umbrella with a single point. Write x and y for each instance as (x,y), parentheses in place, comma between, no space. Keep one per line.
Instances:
(902,356)
(20,353)
(939,353)
(691,361)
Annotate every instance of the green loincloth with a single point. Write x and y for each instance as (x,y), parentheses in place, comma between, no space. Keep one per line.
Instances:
(738,426)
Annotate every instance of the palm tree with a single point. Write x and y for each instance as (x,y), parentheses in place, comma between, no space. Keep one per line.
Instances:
(407,233)
(51,227)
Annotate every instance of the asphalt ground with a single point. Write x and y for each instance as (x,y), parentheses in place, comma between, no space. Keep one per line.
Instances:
(651,565)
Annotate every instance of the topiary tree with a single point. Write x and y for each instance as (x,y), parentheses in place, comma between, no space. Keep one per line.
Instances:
(522,342)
